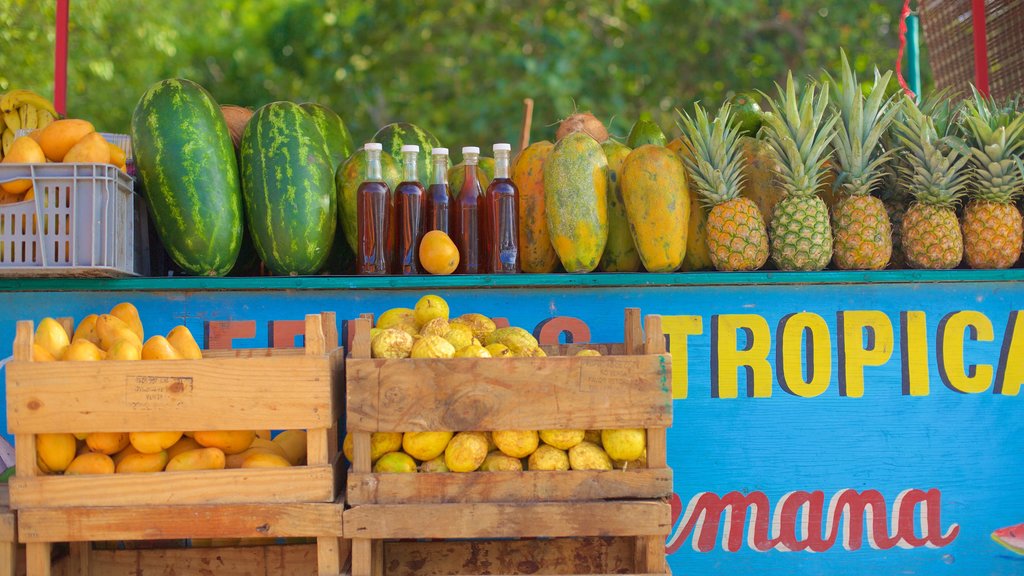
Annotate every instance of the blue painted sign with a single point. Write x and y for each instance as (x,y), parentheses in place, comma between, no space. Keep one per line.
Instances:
(819,429)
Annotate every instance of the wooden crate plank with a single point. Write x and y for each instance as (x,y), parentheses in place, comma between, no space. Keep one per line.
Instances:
(8,526)
(157,395)
(508,486)
(37,559)
(288,560)
(81,524)
(362,557)
(270,485)
(543,519)
(508,393)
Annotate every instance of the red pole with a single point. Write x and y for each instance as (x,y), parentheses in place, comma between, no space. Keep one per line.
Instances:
(980,47)
(60,59)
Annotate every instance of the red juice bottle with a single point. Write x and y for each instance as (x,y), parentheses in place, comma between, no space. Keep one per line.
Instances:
(409,213)
(468,219)
(439,199)
(374,208)
(502,207)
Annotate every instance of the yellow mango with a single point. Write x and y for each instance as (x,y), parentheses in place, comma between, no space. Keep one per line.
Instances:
(199,459)
(269,445)
(117,158)
(265,434)
(90,463)
(81,447)
(40,354)
(129,314)
(60,136)
(56,451)
(87,330)
(229,441)
(136,463)
(265,460)
(52,336)
(128,451)
(91,148)
(22,150)
(80,435)
(185,444)
(153,442)
(125,349)
(182,341)
(236,460)
(158,348)
(83,351)
(107,329)
(294,444)
(107,442)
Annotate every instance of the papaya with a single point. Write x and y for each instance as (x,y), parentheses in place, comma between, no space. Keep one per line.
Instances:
(758,173)
(620,253)
(537,255)
(698,256)
(658,204)
(576,201)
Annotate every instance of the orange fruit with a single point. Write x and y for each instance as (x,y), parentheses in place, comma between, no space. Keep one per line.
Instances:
(438,254)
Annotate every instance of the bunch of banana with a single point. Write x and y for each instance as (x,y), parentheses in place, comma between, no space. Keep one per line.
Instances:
(22,110)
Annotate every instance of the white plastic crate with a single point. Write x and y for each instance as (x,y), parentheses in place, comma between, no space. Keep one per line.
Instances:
(82,222)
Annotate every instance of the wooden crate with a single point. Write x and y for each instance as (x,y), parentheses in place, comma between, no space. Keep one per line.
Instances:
(8,535)
(226,390)
(629,387)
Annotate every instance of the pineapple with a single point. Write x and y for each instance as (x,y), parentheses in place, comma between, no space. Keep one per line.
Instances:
(798,132)
(736,234)
(992,226)
(863,232)
(936,177)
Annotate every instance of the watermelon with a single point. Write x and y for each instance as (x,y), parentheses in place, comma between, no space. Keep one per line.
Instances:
(576,201)
(186,163)
(645,132)
(457,175)
(333,129)
(288,188)
(1011,537)
(393,136)
(347,180)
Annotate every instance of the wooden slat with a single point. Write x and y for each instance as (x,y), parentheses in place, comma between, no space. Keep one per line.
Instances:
(508,393)
(8,526)
(252,353)
(269,485)
(360,331)
(78,558)
(362,557)
(633,335)
(288,560)
(37,559)
(328,556)
(314,337)
(170,522)
(544,519)
(507,486)
(317,450)
(156,395)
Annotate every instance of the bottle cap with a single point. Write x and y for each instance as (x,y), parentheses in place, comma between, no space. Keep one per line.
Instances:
(440,152)
(470,150)
(410,148)
(502,146)
(373,146)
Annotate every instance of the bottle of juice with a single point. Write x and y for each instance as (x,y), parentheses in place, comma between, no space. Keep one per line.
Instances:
(374,207)
(502,208)
(468,218)
(439,199)
(409,213)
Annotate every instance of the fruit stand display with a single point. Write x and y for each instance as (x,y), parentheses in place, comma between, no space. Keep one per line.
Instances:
(222,395)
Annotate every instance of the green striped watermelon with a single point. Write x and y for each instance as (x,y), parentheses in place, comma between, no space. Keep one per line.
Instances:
(457,175)
(334,131)
(288,189)
(393,136)
(347,180)
(186,163)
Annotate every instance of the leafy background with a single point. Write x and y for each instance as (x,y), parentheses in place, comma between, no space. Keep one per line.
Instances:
(458,69)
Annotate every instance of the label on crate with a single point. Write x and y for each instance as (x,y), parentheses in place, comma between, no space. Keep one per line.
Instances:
(158,392)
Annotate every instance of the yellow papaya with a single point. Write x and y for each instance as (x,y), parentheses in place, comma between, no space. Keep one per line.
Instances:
(620,253)
(537,255)
(658,204)
(576,201)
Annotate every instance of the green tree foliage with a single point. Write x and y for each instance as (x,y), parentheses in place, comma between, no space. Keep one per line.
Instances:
(459,69)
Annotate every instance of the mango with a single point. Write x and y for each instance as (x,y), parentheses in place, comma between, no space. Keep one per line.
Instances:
(265,460)
(180,338)
(83,351)
(294,444)
(153,442)
(125,349)
(229,441)
(129,314)
(40,354)
(269,445)
(22,150)
(87,330)
(117,158)
(107,442)
(90,463)
(91,148)
(60,136)
(52,337)
(108,329)
(128,451)
(236,460)
(56,451)
(137,463)
(199,459)
(185,444)
(264,434)
(158,348)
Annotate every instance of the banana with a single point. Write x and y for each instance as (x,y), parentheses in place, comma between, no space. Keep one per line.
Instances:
(7,140)
(13,121)
(31,118)
(15,98)
(45,118)
(23,116)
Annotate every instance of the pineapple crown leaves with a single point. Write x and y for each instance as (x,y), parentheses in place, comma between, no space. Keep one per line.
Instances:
(715,159)
(995,135)
(798,133)
(861,125)
(936,170)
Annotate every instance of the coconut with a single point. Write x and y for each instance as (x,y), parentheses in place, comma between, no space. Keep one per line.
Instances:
(582,122)
(237,117)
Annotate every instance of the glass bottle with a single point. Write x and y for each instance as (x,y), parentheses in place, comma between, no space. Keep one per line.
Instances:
(502,207)
(374,208)
(439,198)
(409,213)
(467,217)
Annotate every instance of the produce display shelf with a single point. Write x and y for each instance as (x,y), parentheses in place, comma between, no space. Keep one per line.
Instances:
(596,280)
